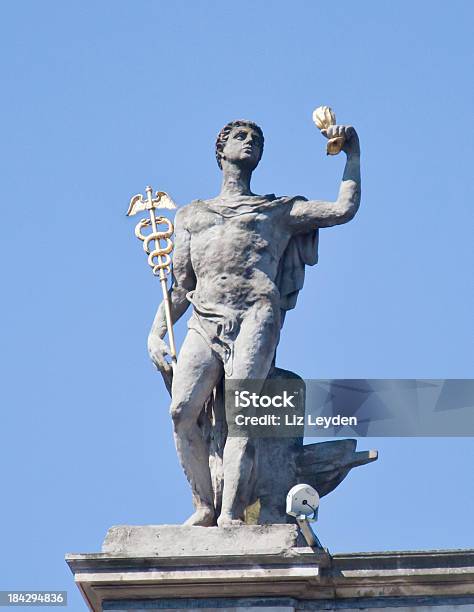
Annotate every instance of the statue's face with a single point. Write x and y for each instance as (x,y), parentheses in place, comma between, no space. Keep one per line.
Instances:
(243,146)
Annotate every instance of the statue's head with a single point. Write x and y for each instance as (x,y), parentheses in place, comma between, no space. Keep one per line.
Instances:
(240,142)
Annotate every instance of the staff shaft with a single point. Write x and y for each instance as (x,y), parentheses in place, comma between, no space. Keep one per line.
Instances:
(166,295)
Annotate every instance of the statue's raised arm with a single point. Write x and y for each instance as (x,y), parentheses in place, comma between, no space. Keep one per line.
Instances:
(307,215)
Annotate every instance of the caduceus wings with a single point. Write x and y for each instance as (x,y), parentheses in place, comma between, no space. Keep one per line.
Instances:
(138,203)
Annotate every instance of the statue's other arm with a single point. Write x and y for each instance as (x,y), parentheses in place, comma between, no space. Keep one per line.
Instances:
(184,280)
(307,215)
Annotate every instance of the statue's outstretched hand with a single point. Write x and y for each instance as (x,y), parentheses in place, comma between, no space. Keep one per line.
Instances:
(351,139)
(158,351)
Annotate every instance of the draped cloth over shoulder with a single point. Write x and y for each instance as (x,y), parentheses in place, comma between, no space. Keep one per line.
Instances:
(302,250)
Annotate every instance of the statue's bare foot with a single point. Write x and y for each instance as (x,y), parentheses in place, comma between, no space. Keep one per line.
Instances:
(202,517)
(226,520)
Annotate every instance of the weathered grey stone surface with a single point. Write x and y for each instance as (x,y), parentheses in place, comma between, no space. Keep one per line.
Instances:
(282,606)
(239,259)
(247,608)
(184,541)
(277,576)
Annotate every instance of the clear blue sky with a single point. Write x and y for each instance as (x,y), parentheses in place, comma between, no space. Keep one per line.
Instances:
(102,98)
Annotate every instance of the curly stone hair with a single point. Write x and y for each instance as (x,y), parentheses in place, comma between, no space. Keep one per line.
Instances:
(223,136)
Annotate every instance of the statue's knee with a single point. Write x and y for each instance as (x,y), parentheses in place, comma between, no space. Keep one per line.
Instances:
(179,412)
(176,412)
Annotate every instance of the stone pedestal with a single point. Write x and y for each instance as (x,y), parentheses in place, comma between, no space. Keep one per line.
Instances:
(262,568)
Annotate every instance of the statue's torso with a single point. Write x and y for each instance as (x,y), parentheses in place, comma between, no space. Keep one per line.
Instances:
(235,251)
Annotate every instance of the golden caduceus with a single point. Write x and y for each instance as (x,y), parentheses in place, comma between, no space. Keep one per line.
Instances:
(159,257)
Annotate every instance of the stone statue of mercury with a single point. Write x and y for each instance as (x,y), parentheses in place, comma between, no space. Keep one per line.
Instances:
(239,260)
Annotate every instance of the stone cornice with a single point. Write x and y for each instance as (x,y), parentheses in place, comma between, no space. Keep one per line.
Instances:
(301,573)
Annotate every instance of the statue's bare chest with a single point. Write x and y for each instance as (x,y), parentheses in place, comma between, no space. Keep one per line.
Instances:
(243,228)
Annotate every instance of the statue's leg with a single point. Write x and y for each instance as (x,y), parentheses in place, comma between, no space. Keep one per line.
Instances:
(196,374)
(254,351)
